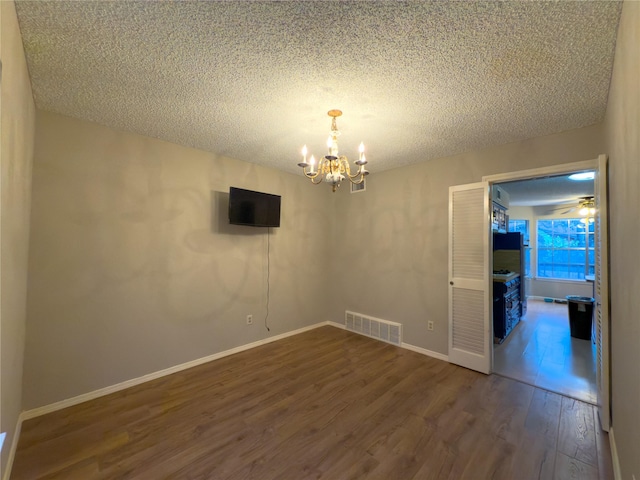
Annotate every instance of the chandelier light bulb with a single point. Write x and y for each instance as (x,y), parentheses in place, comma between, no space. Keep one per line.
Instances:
(361,159)
(304,163)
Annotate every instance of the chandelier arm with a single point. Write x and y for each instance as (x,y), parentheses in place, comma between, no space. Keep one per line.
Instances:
(343,162)
(356,182)
(360,173)
(309,174)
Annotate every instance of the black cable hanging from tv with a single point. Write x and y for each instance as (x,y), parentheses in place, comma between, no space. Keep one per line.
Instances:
(268,275)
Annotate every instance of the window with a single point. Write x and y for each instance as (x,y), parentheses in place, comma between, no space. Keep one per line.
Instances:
(565,248)
(522,226)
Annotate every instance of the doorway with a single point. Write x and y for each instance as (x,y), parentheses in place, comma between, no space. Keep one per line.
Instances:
(471,287)
(552,252)
(601,261)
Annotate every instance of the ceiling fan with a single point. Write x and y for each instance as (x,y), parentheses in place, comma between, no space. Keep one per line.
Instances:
(585,206)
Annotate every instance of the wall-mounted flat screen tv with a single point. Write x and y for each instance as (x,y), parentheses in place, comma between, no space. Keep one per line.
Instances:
(255,209)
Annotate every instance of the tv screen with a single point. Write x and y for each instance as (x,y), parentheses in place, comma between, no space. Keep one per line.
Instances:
(254,209)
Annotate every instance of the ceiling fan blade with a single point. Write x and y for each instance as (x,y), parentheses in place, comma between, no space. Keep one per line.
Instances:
(582,202)
(569,211)
(553,210)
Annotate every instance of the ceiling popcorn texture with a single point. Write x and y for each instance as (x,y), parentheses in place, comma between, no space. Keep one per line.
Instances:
(254,80)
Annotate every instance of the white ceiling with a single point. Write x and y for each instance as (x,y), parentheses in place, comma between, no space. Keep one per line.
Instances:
(555,190)
(254,80)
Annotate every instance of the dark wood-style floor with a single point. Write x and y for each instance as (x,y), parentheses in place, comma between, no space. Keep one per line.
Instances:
(323,404)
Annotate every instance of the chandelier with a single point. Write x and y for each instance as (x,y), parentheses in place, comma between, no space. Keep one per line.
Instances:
(333,168)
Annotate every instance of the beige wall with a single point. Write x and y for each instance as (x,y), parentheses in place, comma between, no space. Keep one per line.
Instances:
(16,152)
(129,273)
(391,241)
(133,265)
(622,125)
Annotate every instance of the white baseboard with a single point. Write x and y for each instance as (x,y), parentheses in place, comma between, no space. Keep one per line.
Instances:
(408,346)
(14,447)
(536,298)
(36,412)
(617,474)
(424,351)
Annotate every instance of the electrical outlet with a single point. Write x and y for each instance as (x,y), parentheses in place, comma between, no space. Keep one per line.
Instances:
(430,325)
(249,319)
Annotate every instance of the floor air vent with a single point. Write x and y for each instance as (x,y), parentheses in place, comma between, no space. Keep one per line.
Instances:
(384,330)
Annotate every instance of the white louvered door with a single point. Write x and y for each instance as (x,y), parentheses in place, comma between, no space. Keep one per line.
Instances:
(469,321)
(601,314)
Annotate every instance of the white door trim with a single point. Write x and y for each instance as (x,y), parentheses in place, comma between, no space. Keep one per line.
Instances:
(560,169)
(542,172)
(602,308)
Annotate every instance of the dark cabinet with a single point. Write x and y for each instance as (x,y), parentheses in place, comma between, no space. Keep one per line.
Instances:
(506,308)
(509,254)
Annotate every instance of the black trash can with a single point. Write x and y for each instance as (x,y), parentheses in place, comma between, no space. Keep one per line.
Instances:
(580,316)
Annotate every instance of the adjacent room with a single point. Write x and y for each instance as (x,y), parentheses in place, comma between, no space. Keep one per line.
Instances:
(544,255)
(232,247)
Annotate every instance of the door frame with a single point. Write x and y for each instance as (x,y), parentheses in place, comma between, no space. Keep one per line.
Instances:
(565,168)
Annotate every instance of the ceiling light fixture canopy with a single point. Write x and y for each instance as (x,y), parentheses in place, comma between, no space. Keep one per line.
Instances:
(333,168)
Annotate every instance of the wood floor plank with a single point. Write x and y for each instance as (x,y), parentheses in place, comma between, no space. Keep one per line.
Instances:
(568,468)
(71,450)
(536,454)
(440,464)
(324,404)
(577,431)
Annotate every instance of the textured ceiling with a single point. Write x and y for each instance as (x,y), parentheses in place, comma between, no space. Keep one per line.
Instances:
(254,80)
